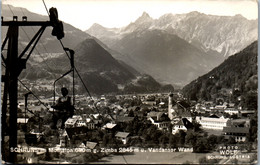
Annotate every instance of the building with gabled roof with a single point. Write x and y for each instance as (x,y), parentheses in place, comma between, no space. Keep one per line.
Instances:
(110,127)
(70,123)
(212,122)
(239,122)
(187,115)
(239,133)
(82,145)
(123,136)
(80,123)
(90,124)
(78,117)
(91,145)
(159,119)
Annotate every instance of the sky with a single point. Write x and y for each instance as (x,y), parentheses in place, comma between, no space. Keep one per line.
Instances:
(118,13)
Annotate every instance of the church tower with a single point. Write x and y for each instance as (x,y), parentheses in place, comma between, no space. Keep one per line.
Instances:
(170,110)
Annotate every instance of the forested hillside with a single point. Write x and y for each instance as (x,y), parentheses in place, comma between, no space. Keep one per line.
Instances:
(237,74)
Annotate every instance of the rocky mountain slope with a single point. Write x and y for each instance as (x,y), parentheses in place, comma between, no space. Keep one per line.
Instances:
(224,34)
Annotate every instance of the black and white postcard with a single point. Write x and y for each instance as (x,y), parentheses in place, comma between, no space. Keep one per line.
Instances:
(129,81)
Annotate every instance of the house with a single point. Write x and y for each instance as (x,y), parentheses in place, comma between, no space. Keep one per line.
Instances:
(78,117)
(179,126)
(213,122)
(239,123)
(70,123)
(247,113)
(90,124)
(220,107)
(80,123)
(239,133)
(159,119)
(231,105)
(231,111)
(91,145)
(37,132)
(151,103)
(110,117)
(123,136)
(72,133)
(237,128)
(177,108)
(187,115)
(162,105)
(82,145)
(110,127)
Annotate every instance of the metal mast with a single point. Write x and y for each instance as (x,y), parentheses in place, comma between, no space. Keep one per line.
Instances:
(14,65)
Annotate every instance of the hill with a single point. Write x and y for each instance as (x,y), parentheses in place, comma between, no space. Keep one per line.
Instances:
(237,74)
(47,42)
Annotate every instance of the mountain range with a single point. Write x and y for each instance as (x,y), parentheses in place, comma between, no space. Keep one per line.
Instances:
(177,48)
(225,35)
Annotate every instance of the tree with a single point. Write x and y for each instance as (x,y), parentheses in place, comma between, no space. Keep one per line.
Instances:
(135,142)
(48,155)
(173,140)
(231,140)
(129,128)
(191,138)
(105,140)
(201,145)
(220,139)
(252,136)
(196,126)
(181,135)
(131,113)
(212,141)
(156,135)
(163,140)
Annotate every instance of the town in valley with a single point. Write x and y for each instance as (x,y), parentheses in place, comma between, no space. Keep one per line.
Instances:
(134,123)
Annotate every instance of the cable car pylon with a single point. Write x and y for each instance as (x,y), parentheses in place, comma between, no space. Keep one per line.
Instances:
(14,66)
